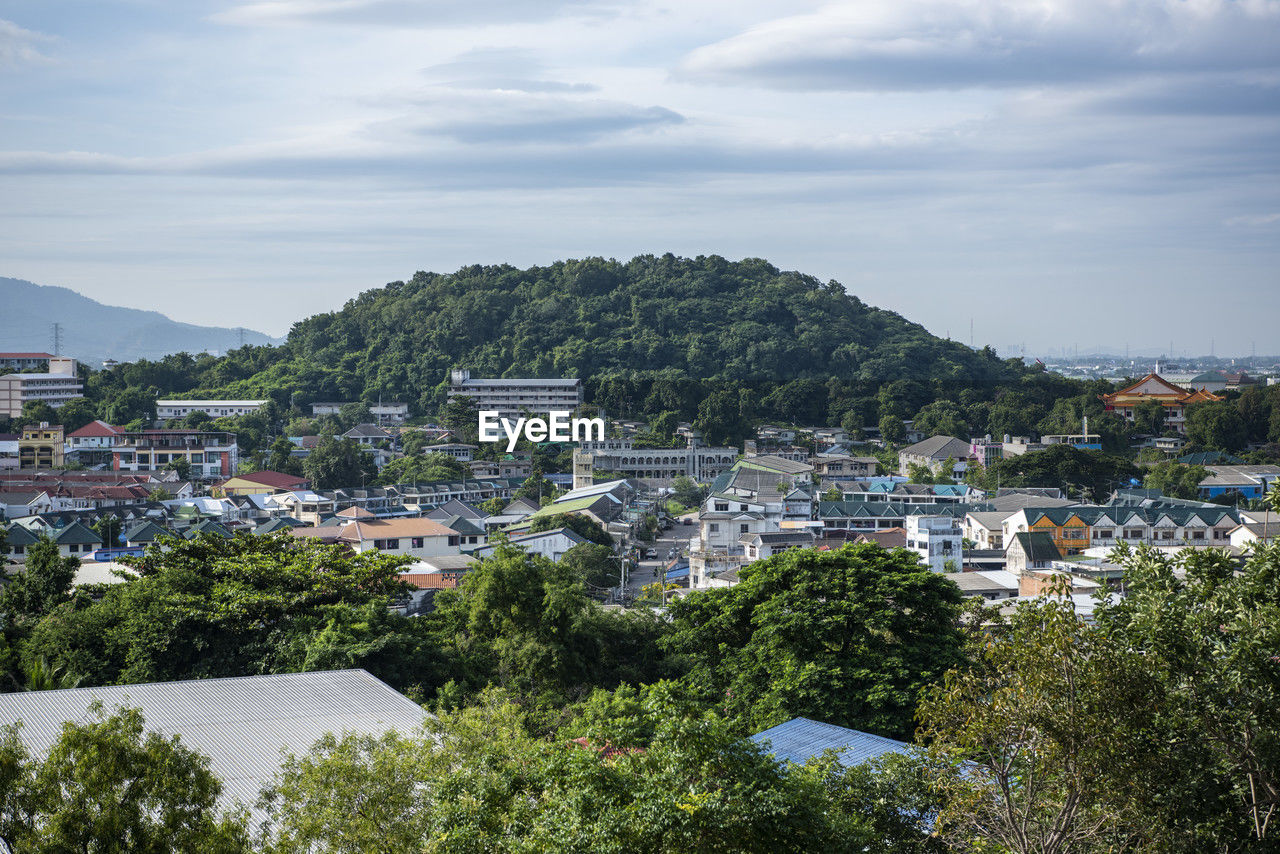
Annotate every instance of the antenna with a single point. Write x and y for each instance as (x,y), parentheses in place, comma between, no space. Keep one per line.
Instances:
(240,334)
(57,339)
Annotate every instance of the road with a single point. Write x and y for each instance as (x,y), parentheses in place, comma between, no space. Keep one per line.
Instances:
(677,538)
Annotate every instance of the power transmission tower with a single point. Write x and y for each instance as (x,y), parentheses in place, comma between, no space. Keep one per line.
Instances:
(240,334)
(57,339)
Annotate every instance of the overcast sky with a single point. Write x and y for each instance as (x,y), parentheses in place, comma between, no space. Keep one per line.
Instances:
(1063,172)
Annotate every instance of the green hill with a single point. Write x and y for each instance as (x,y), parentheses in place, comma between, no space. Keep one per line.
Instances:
(745,323)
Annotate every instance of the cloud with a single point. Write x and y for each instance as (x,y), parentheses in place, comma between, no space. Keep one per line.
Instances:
(511,69)
(1254,220)
(389,13)
(18,46)
(870,45)
(520,118)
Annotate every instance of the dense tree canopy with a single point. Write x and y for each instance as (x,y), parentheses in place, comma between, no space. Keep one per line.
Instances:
(847,636)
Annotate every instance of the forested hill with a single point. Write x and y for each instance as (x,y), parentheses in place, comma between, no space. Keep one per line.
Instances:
(801,348)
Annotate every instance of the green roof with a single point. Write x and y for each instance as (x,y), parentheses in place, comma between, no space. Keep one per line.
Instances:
(573,506)
(208,526)
(145,532)
(77,533)
(1037,545)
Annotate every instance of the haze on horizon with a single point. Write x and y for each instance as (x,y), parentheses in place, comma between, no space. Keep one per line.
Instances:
(1062,172)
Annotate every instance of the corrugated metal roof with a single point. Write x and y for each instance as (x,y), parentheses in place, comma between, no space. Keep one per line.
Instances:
(800,738)
(242,724)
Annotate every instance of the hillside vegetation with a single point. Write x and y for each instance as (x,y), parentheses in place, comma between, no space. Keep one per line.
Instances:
(652,334)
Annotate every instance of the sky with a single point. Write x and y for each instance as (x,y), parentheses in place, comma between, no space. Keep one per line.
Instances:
(1057,173)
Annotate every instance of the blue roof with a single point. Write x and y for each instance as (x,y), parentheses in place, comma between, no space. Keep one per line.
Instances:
(800,738)
(678,572)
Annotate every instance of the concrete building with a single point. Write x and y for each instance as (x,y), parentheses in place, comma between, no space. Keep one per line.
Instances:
(1250,481)
(662,464)
(384,414)
(20,362)
(937,540)
(1173,398)
(55,388)
(512,398)
(42,447)
(167,409)
(210,454)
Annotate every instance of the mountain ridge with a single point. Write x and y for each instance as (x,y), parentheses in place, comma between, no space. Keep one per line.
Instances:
(93,331)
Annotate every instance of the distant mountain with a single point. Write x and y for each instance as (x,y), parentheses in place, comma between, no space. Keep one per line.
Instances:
(92,331)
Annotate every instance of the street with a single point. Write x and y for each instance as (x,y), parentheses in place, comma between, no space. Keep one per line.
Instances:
(675,538)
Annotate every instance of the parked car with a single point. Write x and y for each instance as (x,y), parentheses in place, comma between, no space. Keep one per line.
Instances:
(650,554)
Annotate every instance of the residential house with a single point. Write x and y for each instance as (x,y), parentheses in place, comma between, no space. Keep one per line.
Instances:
(91,444)
(760,546)
(244,725)
(18,503)
(985,529)
(1157,523)
(661,464)
(458,450)
(1247,534)
(992,585)
(934,453)
(263,483)
(41,447)
(415,537)
(937,540)
(551,544)
(800,739)
(842,467)
(1030,550)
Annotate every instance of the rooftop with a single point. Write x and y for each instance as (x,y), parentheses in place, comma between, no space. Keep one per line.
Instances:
(242,724)
(801,739)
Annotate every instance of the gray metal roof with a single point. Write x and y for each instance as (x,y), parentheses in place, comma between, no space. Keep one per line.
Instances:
(242,724)
(800,738)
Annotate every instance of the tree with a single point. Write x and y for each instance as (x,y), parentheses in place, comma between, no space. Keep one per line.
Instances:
(181,465)
(846,636)
(833,494)
(281,458)
(44,584)
(351,414)
(1176,480)
(941,418)
(476,779)
(595,564)
(493,506)
(536,487)
(920,473)
(337,463)
(1148,418)
(1064,467)
(213,607)
(38,412)
(583,526)
(686,491)
(1016,739)
(1216,425)
(429,467)
(106,785)
(892,430)
(130,405)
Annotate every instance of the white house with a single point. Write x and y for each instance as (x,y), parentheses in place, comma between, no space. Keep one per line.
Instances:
(166,409)
(550,544)
(937,540)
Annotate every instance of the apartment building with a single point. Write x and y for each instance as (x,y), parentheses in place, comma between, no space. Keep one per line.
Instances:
(55,388)
(384,414)
(512,398)
(167,409)
(211,454)
(24,361)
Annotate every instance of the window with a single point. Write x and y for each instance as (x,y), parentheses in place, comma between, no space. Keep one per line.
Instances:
(744,528)
(1166,535)
(1073,533)
(742,507)
(1133,533)
(722,506)
(1197,535)
(714,527)
(379,544)
(416,542)
(1103,534)
(453,541)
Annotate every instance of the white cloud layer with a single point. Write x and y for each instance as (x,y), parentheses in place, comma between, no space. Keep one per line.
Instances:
(940,158)
(870,45)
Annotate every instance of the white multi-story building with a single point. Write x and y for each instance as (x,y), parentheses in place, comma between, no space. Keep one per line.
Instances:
(621,455)
(210,454)
(512,398)
(938,540)
(383,413)
(166,409)
(55,388)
